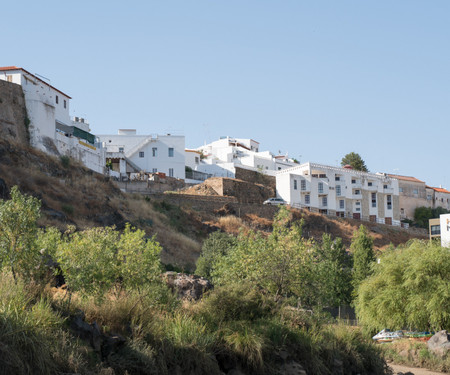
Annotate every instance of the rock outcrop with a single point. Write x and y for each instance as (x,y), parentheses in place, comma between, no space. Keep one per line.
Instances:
(440,343)
(190,287)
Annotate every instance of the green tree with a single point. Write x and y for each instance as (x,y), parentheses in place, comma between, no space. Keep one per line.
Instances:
(95,260)
(355,161)
(18,217)
(215,246)
(423,214)
(278,263)
(409,288)
(363,255)
(333,272)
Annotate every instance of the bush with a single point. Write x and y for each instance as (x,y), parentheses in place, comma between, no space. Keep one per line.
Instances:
(65,161)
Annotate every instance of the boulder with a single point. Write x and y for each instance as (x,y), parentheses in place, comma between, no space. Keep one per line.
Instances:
(439,343)
(190,287)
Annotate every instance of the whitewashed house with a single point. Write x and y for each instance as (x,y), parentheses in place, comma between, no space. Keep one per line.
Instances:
(50,126)
(128,152)
(220,158)
(343,192)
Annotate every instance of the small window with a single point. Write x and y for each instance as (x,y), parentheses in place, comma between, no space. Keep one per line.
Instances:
(9,78)
(429,197)
(358,203)
(154,152)
(120,149)
(295,184)
(374,199)
(57,99)
(322,175)
(324,201)
(342,204)
(197,160)
(170,152)
(155,170)
(353,181)
(141,154)
(65,104)
(170,172)
(389,202)
(338,190)
(415,191)
(400,189)
(385,186)
(358,209)
(307,199)
(337,178)
(357,192)
(435,230)
(303,185)
(369,183)
(320,187)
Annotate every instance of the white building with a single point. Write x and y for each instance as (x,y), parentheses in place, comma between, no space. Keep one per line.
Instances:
(342,192)
(221,157)
(129,152)
(50,126)
(445,230)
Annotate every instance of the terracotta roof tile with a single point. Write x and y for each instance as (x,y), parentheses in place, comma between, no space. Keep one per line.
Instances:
(439,190)
(405,178)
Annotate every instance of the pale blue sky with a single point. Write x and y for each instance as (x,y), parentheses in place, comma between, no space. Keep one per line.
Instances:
(314,78)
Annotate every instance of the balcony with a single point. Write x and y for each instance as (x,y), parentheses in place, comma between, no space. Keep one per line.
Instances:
(388,190)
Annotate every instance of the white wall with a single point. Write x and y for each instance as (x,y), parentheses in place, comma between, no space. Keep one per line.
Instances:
(134,144)
(445,230)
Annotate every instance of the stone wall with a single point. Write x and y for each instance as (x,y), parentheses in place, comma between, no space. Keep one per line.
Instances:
(256,178)
(13,113)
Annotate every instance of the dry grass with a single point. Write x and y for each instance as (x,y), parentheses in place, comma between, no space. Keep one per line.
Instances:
(231,224)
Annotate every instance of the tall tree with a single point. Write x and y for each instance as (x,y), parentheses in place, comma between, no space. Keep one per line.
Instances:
(333,272)
(363,256)
(355,161)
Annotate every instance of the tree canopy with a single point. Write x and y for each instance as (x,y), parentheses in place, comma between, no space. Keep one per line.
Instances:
(355,161)
(408,288)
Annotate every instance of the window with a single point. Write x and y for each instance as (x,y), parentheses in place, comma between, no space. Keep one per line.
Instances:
(385,186)
(338,190)
(303,185)
(369,183)
(429,197)
(141,154)
(337,178)
(9,78)
(357,192)
(320,186)
(322,175)
(400,189)
(120,149)
(342,204)
(353,181)
(170,152)
(415,191)
(357,209)
(65,104)
(324,201)
(374,199)
(389,202)
(197,160)
(155,170)
(295,184)
(358,203)
(307,200)
(170,172)
(57,99)
(154,151)
(435,230)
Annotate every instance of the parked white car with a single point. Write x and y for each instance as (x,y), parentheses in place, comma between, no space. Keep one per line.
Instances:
(274,201)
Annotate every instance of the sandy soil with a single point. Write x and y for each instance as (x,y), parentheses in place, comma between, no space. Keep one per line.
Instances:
(414,370)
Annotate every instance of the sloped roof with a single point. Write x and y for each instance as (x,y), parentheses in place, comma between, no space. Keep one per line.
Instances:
(8,68)
(439,190)
(406,178)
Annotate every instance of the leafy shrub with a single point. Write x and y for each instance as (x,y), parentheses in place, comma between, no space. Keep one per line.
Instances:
(65,161)
(67,208)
